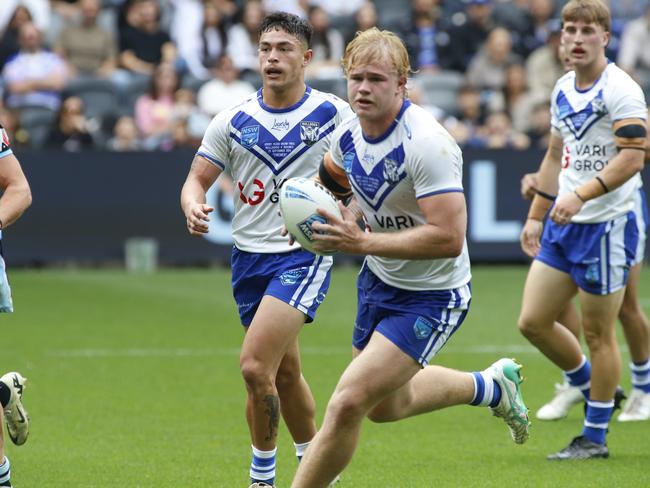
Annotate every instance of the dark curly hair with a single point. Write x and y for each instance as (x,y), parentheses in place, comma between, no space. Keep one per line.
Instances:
(289,23)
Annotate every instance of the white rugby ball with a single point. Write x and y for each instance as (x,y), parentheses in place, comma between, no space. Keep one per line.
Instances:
(299,199)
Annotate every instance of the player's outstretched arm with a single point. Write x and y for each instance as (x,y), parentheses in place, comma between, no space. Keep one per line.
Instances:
(200,178)
(17,196)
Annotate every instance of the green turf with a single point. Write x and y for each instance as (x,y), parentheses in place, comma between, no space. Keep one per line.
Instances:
(134,381)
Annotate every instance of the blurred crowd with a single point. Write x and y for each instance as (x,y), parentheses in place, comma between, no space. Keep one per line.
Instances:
(128,75)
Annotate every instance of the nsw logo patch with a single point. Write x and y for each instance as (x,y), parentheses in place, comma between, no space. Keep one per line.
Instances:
(305,225)
(250,135)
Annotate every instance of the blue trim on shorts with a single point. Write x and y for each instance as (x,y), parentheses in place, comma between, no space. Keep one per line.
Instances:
(419,323)
(298,278)
(597,256)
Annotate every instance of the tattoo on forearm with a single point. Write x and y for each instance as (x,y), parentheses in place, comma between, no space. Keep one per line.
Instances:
(273,411)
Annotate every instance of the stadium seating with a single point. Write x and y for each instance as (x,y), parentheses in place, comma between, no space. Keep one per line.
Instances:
(440,89)
(37,121)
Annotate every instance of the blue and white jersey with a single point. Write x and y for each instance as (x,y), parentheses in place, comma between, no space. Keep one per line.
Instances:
(262,147)
(415,158)
(584,120)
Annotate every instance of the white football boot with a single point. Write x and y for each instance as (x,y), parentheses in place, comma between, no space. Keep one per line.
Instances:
(15,414)
(636,408)
(566,396)
(511,407)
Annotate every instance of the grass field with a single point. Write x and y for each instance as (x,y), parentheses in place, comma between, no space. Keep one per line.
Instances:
(134,381)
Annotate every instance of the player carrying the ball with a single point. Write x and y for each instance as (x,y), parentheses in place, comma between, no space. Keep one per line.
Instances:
(282,131)
(405,172)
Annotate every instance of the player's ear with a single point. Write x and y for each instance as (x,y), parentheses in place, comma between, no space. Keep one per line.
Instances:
(606,38)
(307,56)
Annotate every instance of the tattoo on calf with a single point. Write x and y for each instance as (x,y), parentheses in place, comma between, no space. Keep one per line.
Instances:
(273,411)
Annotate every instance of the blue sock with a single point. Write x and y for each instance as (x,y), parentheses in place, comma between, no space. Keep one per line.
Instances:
(641,376)
(487,392)
(580,377)
(263,466)
(597,420)
(5,472)
(300,449)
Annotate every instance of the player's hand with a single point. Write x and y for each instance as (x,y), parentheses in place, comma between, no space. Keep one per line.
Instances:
(197,219)
(565,208)
(341,234)
(530,237)
(528,186)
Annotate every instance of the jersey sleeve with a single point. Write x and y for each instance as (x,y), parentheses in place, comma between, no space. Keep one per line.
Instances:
(336,150)
(5,145)
(555,120)
(625,100)
(437,167)
(215,146)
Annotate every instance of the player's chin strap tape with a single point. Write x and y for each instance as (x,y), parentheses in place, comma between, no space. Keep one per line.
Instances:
(326,179)
(630,134)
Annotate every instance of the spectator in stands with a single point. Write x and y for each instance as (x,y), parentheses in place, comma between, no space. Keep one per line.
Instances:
(72,129)
(88,48)
(467,37)
(125,136)
(224,89)
(634,53)
(626,10)
(38,9)
(242,45)
(498,133)
(540,26)
(544,67)
(193,119)
(540,121)
(470,115)
(365,18)
(327,45)
(9,42)
(421,35)
(143,44)
(515,98)
(487,70)
(201,47)
(295,7)
(154,111)
(34,77)
(340,11)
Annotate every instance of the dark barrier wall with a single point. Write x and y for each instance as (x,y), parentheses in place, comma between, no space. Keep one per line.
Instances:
(86,205)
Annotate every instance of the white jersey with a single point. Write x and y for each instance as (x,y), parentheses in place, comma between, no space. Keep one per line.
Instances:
(262,147)
(584,120)
(415,158)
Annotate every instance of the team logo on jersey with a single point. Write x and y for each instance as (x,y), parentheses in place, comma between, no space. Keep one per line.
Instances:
(578,122)
(5,139)
(348,159)
(369,159)
(391,171)
(292,276)
(250,135)
(592,273)
(422,328)
(309,132)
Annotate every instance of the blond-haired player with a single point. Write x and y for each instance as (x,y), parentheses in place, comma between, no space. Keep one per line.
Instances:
(405,172)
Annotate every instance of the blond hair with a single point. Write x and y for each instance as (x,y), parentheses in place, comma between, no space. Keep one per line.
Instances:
(589,11)
(376,46)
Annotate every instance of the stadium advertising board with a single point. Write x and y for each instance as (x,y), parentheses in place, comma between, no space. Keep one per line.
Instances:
(87,205)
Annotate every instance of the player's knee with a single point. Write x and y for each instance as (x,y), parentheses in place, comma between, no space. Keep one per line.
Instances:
(630,312)
(345,408)
(381,415)
(598,339)
(256,375)
(529,327)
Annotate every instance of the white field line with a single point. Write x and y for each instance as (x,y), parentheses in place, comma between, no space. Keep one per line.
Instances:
(93,353)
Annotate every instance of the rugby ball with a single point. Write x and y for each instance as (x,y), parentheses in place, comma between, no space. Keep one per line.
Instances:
(299,199)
